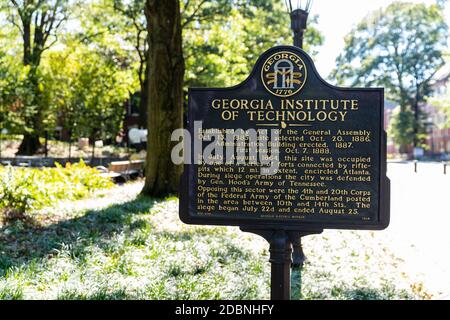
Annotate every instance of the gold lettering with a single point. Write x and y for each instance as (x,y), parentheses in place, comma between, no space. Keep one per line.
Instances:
(216,104)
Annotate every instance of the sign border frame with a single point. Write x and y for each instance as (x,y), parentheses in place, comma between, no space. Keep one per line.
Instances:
(293,225)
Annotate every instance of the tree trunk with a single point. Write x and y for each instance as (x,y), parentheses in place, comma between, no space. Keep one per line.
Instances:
(39,19)
(143,103)
(416,125)
(94,138)
(30,145)
(143,82)
(165,99)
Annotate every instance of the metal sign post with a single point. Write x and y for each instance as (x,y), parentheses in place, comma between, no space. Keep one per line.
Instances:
(331,165)
(281,258)
(299,18)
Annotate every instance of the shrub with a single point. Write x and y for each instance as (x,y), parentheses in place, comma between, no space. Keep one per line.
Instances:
(23,190)
(19,190)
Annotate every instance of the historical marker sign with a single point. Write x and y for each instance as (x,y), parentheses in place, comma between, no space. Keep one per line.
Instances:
(323,149)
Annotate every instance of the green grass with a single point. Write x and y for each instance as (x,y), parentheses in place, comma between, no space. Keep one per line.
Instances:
(60,149)
(138,249)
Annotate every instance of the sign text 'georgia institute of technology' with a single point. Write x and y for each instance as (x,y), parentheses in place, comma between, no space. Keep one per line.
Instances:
(332,159)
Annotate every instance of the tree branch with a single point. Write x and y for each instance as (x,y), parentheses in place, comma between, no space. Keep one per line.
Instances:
(186,5)
(190,18)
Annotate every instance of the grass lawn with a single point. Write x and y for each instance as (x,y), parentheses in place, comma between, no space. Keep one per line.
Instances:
(117,245)
(59,149)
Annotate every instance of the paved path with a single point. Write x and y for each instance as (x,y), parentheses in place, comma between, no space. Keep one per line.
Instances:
(419,232)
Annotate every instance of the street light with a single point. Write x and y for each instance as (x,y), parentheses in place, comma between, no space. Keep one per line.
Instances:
(299,16)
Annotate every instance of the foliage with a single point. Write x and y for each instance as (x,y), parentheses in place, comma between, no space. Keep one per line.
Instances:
(99,71)
(134,31)
(19,190)
(12,94)
(91,91)
(25,190)
(38,24)
(442,103)
(14,87)
(400,48)
(92,74)
(94,57)
(232,41)
(401,127)
(81,83)
(21,102)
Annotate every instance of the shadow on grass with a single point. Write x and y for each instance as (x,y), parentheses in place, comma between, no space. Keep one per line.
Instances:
(119,294)
(385,293)
(24,246)
(343,291)
(117,231)
(21,244)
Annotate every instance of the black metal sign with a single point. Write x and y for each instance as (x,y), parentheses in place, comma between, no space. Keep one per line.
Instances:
(285,150)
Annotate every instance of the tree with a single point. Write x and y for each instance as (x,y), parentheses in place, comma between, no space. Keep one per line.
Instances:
(136,26)
(5,88)
(135,29)
(401,127)
(101,89)
(81,84)
(38,22)
(221,41)
(400,48)
(165,81)
(90,87)
(12,75)
(231,43)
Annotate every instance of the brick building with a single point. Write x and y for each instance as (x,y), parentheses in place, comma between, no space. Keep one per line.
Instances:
(438,131)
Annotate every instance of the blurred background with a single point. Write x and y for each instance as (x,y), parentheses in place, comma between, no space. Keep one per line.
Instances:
(76,72)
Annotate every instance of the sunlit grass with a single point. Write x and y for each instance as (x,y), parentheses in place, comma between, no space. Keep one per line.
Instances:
(138,249)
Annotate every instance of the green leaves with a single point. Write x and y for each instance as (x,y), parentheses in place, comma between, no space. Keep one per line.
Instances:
(82,82)
(399,48)
(25,190)
(404,43)
(220,50)
(90,82)
(402,127)
(99,60)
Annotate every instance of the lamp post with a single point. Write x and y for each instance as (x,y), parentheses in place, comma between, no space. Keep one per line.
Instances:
(299,16)
(298,11)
